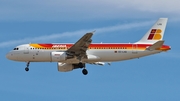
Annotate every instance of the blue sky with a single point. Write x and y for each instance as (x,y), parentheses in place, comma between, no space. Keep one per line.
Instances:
(152,78)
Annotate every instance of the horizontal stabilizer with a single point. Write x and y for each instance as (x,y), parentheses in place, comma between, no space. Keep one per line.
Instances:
(156,45)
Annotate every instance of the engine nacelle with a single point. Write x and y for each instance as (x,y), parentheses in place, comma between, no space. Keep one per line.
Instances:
(58,56)
(64,67)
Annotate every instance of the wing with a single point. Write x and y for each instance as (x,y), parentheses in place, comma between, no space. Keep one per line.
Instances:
(80,47)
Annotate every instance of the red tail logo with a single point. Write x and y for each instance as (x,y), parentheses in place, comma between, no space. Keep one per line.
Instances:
(155,34)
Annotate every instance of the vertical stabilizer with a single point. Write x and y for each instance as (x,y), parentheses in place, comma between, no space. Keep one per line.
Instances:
(156,33)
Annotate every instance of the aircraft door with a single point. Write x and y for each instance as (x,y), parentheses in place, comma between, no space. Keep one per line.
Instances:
(26,50)
(134,48)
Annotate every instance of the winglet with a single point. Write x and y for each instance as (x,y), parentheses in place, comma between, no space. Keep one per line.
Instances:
(156,45)
(92,32)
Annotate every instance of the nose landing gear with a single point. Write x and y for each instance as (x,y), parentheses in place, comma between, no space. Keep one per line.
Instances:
(27,67)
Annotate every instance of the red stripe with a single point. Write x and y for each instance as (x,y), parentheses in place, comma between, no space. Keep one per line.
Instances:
(106,45)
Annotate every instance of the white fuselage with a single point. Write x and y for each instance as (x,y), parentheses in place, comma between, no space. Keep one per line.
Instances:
(26,53)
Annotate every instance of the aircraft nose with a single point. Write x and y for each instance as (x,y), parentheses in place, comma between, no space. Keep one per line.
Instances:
(9,56)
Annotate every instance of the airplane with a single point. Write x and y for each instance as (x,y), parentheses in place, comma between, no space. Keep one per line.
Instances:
(73,56)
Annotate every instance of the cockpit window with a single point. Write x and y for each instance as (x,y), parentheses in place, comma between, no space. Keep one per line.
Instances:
(16,48)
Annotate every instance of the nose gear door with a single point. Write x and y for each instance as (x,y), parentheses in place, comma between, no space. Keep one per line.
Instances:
(134,48)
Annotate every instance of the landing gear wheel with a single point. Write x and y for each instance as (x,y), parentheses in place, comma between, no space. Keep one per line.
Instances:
(84,71)
(81,65)
(26,69)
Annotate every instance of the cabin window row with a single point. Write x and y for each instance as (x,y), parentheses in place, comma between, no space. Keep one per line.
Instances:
(89,48)
(109,48)
(48,48)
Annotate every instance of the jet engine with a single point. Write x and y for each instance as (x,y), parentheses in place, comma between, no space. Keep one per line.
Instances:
(64,67)
(58,56)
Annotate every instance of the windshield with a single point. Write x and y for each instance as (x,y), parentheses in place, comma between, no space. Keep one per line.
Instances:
(16,48)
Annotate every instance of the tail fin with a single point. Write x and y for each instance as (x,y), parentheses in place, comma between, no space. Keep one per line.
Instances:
(156,33)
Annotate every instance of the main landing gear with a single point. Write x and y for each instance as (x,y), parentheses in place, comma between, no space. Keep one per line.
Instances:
(82,65)
(84,71)
(27,67)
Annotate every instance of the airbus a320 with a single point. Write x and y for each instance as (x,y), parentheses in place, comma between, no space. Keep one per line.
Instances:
(74,56)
